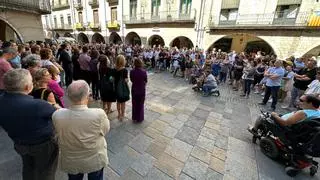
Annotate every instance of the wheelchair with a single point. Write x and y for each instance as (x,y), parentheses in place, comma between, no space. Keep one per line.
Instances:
(295,146)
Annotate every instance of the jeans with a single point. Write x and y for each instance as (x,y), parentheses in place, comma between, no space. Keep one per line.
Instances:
(39,161)
(273,91)
(207,88)
(247,85)
(295,92)
(97,175)
(223,77)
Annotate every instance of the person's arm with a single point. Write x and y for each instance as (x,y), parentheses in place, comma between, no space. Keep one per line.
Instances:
(125,77)
(296,117)
(51,98)
(104,123)
(131,76)
(57,89)
(146,77)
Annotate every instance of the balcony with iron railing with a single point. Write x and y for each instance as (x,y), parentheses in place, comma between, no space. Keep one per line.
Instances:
(94,26)
(78,5)
(80,26)
(113,25)
(268,20)
(161,17)
(32,6)
(94,3)
(62,27)
(58,7)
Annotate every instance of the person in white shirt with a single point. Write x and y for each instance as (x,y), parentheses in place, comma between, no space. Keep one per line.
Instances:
(314,86)
(80,132)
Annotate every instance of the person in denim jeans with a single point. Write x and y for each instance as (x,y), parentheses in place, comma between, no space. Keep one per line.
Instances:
(210,83)
(274,76)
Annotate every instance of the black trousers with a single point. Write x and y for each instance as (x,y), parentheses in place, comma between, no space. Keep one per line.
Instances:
(95,84)
(273,91)
(39,161)
(68,75)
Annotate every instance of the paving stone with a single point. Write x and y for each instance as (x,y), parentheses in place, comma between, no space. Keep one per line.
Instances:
(176,124)
(167,117)
(179,150)
(143,164)
(195,123)
(151,132)
(216,115)
(213,175)
(222,142)
(123,160)
(118,140)
(229,177)
(155,149)
(205,143)
(195,168)
(188,135)
(241,147)
(209,133)
(156,174)
(201,154)
(213,126)
(183,117)
(159,125)
(110,174)
(225,131)
(214,120)
(131,174)
(169,165)
(219,153)
(140,143)
(201,113)
(217,165)
(170,132)
(161,139)
(184,176)
(240,171)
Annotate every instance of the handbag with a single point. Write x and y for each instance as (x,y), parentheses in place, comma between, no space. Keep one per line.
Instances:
(123,92)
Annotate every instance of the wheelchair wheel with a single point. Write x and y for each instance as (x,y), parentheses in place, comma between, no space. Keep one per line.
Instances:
(291,171)
(313,170)
(269,148)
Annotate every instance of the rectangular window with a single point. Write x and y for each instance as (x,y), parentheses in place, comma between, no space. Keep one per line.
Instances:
(55,21)
(133,8)
(96,17)
(113,14)
(80,17)
(69,19)
(287,11)
(61,20)
(185,6)
(155,7)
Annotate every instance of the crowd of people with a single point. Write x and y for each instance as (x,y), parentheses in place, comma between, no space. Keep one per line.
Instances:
(50,72)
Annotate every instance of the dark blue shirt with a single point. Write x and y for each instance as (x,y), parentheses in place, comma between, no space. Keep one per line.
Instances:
(26,120)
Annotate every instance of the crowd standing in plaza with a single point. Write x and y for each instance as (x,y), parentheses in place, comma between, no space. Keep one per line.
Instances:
(43,126)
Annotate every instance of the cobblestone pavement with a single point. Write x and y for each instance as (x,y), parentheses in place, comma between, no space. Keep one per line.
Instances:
(184,136)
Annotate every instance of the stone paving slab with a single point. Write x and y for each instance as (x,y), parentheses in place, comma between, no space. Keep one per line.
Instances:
(184,136)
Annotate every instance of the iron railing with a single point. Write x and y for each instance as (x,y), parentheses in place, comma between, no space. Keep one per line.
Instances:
(94,3)
(63,26)
(57,7)
(160,17)
(78,4)
(33,6)
(270,19)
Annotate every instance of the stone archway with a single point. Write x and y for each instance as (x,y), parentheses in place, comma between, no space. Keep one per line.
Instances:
(155,40)
(82,38)
(242,42)
(133,38)
(8,32)
(98,38)
(67,34)
(181,42)
(114,38)
(315,51)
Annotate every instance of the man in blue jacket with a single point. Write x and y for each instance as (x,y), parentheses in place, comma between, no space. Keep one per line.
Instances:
(28,123)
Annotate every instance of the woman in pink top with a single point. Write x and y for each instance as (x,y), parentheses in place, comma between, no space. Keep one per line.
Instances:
(54,86)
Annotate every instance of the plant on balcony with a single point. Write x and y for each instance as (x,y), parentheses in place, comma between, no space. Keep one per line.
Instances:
(79,27)
(94,27)
(113,25)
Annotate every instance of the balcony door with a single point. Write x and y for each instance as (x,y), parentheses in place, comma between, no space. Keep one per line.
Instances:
(133,9)
(55,21)
(185,6)
(80,16)
(96,18)
(62,21)
(114,14)
(155,6)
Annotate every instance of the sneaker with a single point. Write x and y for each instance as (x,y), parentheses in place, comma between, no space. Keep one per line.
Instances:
(251,130)
(242,95)
(270,100)
(261,103)
(262,94)
(256,92)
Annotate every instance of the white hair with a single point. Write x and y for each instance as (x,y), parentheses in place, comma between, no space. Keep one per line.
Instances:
(15,80)
(78,91)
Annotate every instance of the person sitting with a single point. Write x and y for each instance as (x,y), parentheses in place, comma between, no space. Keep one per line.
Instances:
(309,105)
(210,83)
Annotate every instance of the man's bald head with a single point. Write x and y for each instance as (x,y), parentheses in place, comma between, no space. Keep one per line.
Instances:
(78,91)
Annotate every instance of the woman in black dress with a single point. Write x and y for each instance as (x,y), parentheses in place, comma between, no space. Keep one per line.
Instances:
(121,84)
(106,77)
